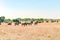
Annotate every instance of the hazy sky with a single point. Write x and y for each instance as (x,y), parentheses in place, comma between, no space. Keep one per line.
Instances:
(30,8)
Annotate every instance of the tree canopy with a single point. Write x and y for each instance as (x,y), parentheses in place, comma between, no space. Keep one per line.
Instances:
(3,19)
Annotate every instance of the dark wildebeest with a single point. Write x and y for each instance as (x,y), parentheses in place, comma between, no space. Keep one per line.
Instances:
(40,21)
(57,20)
(30,23)
(36,22)
(17,23)
(0,23)
(47,21)
(53,21)
(9,23)
(25,24)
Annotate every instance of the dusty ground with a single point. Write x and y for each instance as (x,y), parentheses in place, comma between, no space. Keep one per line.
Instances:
(43,31)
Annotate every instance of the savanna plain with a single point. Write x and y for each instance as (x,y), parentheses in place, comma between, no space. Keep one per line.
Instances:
(41,31)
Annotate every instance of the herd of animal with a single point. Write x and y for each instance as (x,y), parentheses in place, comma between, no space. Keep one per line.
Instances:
(26,21)
(29,23)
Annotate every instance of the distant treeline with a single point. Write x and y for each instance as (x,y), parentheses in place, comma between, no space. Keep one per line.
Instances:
(3,19)
(26,21)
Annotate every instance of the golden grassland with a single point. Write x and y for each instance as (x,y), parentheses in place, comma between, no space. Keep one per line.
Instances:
(42,31)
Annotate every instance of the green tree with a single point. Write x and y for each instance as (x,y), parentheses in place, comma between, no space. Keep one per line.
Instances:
(26,19)
(32,19)
(15,20)
(2,18)
(40,19)
(19,19)
(7,20)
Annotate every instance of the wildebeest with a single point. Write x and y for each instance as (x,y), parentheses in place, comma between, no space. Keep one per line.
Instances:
(30,23)
(17,23)
(9,23)
(47,21)
(0,23)
(36,22)
(53,21)
(25,24)
(57,20)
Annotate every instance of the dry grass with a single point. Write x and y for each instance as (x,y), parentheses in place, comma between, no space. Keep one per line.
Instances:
(43,31)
